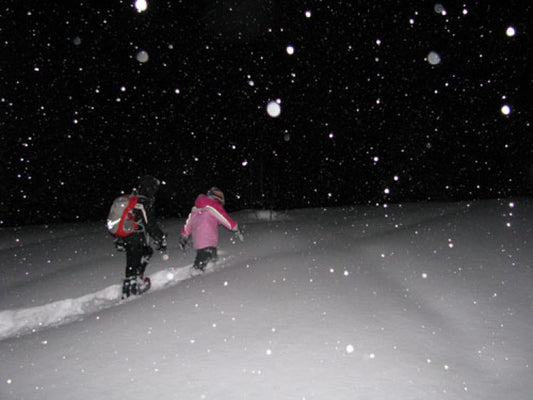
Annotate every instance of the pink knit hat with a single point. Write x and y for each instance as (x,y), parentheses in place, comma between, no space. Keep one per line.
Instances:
(216,193)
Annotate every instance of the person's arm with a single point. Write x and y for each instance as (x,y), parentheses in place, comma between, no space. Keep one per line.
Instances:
(223,217)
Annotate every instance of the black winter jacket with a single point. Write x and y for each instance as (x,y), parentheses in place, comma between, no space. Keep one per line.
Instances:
(146,219)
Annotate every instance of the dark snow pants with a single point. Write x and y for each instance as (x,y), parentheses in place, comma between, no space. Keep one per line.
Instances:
(138,253)
(203,256)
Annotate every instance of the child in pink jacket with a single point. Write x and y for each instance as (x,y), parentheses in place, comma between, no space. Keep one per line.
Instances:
(202,224)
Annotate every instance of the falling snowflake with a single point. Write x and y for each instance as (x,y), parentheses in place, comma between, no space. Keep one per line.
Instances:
(273,109)
(433,58)
(506,110)
(141,5)
(142,56)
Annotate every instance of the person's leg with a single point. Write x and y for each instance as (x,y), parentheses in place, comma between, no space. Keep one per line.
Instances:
(203,256)
(147,253)
(134,254)
(214,256)
(134,245)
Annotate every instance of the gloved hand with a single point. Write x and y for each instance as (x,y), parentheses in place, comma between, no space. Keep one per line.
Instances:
(182,242)
(119,245)
(239,234)
(161,244)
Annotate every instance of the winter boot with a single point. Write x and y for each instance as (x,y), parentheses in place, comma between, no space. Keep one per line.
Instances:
(204,257)
(200,266)
(129,287)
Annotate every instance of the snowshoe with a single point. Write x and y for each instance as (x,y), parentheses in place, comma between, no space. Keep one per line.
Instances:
(203,267)
(197,270)
(135,286)
(144,286)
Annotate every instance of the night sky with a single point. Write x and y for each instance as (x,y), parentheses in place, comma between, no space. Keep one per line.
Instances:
(381,102)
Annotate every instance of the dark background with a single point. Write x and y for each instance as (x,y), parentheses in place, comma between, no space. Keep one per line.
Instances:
(81,118)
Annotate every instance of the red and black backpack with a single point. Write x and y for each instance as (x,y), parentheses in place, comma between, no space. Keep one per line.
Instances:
(121,219)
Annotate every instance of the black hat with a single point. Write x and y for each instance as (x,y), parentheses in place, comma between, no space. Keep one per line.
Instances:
(148,186)
(217,194)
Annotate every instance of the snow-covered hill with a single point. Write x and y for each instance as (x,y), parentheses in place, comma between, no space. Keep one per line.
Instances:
(413,301)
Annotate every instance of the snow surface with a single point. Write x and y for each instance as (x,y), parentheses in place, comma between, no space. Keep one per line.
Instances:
(412,301)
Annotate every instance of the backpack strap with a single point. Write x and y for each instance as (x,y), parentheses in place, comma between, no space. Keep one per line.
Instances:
(140,207)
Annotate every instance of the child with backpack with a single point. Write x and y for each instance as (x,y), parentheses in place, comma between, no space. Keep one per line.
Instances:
(202,225)
(133,224)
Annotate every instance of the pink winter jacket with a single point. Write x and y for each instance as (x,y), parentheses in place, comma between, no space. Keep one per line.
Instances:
(203,222)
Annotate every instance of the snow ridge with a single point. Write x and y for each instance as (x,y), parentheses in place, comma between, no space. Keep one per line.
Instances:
(28,320)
